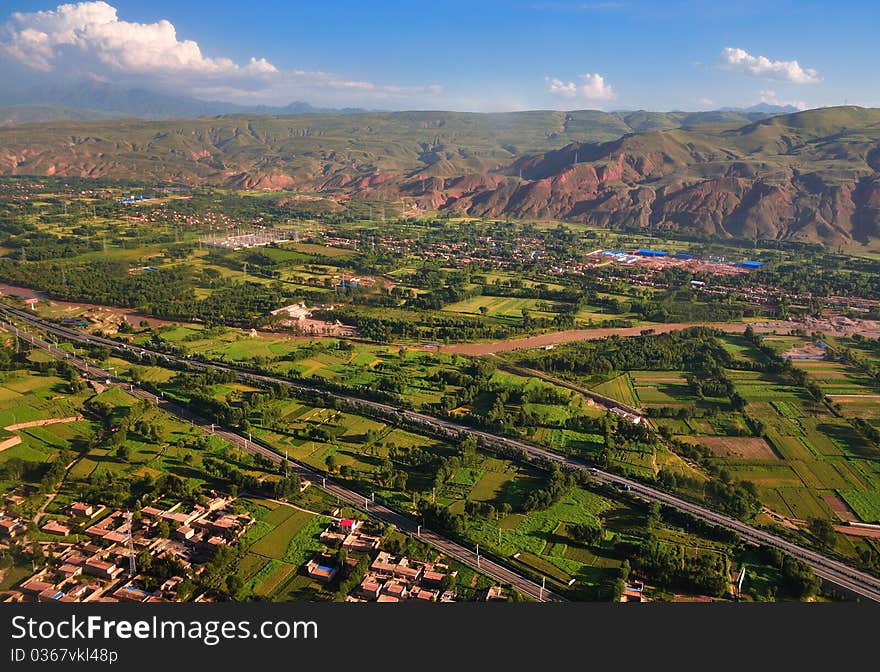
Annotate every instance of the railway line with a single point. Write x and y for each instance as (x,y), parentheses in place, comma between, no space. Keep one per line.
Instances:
(401,521)
(835,572)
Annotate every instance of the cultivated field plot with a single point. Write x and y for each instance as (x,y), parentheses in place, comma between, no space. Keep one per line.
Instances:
(790,447)
(649,378)
(320,250)
(864,406)
(817,434)
(865,503)
(798,503)
(783,344)
(661,388)
(272,580)
(27,397)
(275,543)
(540,541)
(279,543)
(501,306)
(841,509)
(769,389)
(788,409)
(664,394)
(619,388)
(569,440)
(768,475)
(739,447)
(740,348)
(492,481)
(825,370)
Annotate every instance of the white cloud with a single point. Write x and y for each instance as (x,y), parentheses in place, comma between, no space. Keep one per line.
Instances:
(740,60)
(559,88)
(771,98)
(88,39)
(92,32)
(591,87)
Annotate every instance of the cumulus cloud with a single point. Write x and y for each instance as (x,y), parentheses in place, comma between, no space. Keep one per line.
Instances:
(771,98)
(88,39)
(760,66)
(92,33)
(592,86)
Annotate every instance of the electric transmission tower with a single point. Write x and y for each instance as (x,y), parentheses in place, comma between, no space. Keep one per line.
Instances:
(132,563)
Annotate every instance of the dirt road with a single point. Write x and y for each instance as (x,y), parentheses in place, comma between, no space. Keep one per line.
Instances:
(836,326)
(134,317)
(570,335)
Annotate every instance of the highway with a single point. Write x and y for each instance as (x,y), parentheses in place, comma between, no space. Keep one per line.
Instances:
(402,522)
(833,571)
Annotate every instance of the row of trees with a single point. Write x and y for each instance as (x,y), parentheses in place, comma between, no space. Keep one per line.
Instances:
(691,349)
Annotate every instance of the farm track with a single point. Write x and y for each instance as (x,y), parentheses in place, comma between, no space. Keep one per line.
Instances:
(573,335)
(865,327)
(832,571)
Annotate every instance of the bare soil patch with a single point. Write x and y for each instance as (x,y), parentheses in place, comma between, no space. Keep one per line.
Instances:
(840,508)
(809,351)
(571,335)
(741,447)
(10,442)
(858,531)
(42,423)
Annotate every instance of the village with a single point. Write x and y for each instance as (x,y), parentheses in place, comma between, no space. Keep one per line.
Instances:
(104,566)
(104,555)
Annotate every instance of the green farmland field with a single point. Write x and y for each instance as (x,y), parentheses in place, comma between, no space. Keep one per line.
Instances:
(866,503)
(619,388)
(274,544)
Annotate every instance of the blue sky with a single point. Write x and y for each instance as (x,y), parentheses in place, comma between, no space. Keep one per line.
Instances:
(482,56)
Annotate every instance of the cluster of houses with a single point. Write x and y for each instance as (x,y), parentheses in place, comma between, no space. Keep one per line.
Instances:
(348,534)
(634,592)
(396,579)
(483,250)
(86,572)
(11,526)
(99,569)
(201,529)
(499,254)
(99,561)
(389,579)
(626,415)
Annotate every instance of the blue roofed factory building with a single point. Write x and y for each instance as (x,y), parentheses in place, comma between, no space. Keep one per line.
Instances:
(752,264)
(645,252)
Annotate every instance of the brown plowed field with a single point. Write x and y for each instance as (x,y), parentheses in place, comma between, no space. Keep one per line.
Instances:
(740,447)
(840,508)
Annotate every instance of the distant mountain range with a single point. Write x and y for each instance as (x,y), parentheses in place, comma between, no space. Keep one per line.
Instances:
(98,100)
(764,108)
(812,175)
